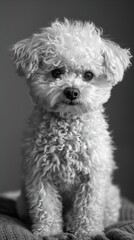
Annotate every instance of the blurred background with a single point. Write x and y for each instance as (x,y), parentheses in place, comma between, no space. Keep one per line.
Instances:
(18,20)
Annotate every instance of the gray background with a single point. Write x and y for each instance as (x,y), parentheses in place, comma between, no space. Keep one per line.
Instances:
(18,20)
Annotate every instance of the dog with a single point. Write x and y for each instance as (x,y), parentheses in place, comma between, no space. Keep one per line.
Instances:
(67,149)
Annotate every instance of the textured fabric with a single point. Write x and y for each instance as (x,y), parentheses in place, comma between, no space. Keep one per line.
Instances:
(123,231)
(11,228)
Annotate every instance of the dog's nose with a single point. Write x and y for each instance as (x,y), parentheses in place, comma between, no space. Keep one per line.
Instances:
(71,93)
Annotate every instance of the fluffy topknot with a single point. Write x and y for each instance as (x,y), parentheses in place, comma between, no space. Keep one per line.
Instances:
(77,43)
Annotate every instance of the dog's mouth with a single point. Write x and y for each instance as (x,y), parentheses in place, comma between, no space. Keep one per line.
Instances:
(70,107)
(71,103)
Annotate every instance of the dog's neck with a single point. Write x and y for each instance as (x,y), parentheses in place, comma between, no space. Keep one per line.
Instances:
(93,121)
(69,117)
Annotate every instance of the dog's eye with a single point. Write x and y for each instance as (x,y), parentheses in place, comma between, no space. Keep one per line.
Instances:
(88,76)
(57,72)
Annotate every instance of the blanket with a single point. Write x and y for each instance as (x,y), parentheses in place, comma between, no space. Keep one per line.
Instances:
(12,228)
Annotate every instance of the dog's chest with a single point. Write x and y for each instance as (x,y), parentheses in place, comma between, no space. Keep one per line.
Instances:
(65,157)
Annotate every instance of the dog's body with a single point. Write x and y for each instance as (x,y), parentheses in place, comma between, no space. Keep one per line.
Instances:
(68,154)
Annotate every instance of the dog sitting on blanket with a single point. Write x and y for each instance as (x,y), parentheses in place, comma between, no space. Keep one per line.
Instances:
(67,152)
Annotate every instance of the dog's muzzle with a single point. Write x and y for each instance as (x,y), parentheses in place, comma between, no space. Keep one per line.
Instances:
(71,93)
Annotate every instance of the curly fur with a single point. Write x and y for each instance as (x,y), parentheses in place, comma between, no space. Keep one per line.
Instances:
(67,151)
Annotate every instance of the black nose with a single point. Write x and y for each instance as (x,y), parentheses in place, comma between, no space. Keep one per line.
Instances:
(71,93)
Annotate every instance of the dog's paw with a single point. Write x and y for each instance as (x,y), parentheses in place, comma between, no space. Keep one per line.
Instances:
(83,236)
(67,236)
(62,236)
(86,236)
(100,237)
(50,238)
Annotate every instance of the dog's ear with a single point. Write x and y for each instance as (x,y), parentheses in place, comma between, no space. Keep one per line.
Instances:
(116,61)
(25,56)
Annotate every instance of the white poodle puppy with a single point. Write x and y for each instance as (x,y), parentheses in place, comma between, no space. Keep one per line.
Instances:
(67,152)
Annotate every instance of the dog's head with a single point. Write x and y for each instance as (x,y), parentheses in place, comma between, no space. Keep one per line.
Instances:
(69,66)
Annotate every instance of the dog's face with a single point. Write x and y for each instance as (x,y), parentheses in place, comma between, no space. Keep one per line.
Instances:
(70,68)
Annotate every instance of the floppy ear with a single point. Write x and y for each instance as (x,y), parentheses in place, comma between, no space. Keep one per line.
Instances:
(116,61)
(25,56)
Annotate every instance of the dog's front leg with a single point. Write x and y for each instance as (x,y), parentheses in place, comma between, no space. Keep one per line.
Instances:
(89,211)
(44,207)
